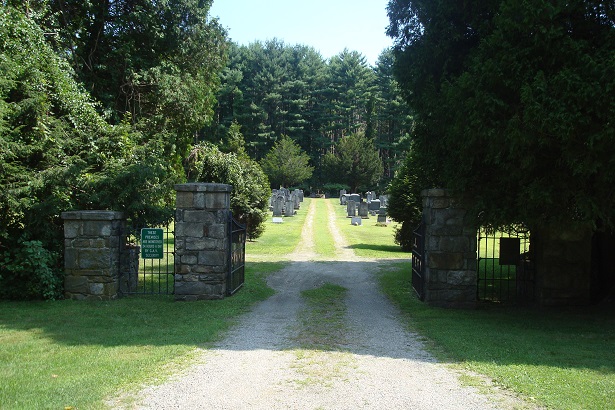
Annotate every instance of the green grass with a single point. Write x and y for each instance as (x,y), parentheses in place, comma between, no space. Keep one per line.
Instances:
(561,359)
(68,353)
(278,240)
(323,241)
(322,322)
(368,240)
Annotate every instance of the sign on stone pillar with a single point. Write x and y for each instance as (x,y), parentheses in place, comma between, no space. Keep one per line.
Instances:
(202,241)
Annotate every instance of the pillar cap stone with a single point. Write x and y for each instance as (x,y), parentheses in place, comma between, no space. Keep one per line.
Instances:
(92,215)
(203,187)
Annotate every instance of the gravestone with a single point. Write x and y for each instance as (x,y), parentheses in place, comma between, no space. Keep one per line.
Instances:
(355,197)
(374,205)
(344,199)
(363,210)
(382,219)
(278,206)
(356,220)
(351,208)
(295,199)
(289,208)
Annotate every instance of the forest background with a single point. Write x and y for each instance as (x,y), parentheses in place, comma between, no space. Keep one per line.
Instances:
(106,105)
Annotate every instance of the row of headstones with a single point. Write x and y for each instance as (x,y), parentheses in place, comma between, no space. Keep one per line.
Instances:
(284,202)
(354,203)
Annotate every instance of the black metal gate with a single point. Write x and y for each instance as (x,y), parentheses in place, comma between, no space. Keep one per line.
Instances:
(237,256)
(418,261)
(141,276)
(505,267)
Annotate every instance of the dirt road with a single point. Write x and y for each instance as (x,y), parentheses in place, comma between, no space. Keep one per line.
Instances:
(381,366)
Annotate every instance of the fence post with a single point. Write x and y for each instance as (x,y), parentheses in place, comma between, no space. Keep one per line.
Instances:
(201,240)
(92,254)
(450,252)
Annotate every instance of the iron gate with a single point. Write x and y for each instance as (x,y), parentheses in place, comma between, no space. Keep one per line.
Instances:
(505,267)
(418,261)
(237,256)
(139,276)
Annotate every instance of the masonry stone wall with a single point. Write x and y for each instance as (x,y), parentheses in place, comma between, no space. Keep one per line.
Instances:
(201,240)
(92,254)
(450,252)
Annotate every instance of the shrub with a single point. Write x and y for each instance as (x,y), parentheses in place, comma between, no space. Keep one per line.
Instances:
(30,271)
(249,198)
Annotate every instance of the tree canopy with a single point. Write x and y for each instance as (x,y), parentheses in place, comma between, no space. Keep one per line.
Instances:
(514,103)
(286,164)
(354,162)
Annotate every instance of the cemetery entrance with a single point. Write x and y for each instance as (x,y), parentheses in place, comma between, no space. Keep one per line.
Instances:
(147,261)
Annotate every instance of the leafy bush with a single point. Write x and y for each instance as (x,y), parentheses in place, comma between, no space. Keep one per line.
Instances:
(249,198)
(30,271)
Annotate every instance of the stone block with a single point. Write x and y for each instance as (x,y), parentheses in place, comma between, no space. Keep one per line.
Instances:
(184,200)
(212,258)
(218,200)
(445,260)
(461,278)
(96,228)
(72,229)
(75,284)
(199,201)
(454,244)
(93,259)
(198,216)
(200,244)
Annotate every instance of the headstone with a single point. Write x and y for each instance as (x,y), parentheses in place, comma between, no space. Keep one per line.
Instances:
(374,205)
(370,196)
(278,220)
(355,197)
(351,207)
(363,210)
(384,201)
(382,219)
(344,199)
(296,201)
(356,220)
(278,206)
(289,208)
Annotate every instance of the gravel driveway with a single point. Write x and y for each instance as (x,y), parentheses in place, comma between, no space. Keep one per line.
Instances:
(381,366)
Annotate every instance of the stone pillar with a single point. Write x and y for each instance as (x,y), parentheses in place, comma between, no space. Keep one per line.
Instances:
(201,240)
(563,263)
(92,254)
(450,252)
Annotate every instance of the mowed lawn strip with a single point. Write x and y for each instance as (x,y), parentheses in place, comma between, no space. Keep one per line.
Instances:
(369,240)
(558,358)
(323,240)
(279,240)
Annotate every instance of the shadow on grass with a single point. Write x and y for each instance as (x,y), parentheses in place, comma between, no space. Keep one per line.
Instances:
(563,338)
(380,248)
(136,320)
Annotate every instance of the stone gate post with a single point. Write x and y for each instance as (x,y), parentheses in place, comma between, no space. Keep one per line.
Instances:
(201,240)
(92,254)
(450,252)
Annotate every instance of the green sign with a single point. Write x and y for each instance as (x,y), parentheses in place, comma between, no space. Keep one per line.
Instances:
(152,243)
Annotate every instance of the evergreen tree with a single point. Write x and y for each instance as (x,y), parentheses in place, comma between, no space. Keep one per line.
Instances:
(286,164)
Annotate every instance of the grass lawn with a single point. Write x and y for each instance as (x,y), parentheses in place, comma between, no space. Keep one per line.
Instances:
(77,354)
(368,240)
(559,358)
